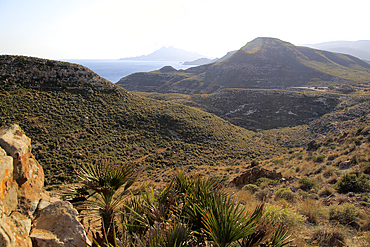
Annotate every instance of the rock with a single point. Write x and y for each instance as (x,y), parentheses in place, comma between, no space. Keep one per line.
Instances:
(8,187)
(14,141)
(292,188)
(2,152)
(251,175)
(14,230)
(27,172)
(344,165)
(57,225)
(21,194)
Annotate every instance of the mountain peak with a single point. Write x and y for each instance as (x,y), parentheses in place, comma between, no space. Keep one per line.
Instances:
(264,43)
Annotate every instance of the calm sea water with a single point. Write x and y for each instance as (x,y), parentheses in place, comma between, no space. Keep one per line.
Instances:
(115,69)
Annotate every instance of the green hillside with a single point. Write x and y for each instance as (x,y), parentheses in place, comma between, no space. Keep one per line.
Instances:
(76,118)
(264,63)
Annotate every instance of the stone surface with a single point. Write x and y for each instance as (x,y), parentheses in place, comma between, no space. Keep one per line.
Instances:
(14,141)
(22,198)
(14,230)
(345,165)
(57,225)
(27,172)
(8,187)
(251,175)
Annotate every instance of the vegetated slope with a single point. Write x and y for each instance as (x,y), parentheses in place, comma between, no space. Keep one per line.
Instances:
(72,121)
(259,108)
(264,63)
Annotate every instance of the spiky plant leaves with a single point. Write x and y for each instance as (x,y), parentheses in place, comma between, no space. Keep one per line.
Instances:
(280,238)
(106,185)
(169,235)
(226,221)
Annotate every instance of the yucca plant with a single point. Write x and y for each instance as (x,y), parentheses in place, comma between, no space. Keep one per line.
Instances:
(105,187)
(194,194)
(226,221)
(173,234)
(144,210)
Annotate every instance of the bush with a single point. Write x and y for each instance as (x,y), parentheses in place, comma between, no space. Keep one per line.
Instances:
(251,187)
(262,194)
(254,163)
(306,184)
(346,214)
(326,191)
(352,183)
(276,215)
(319,159)
(267,181)
(312,209)
(328,237)
(285,193)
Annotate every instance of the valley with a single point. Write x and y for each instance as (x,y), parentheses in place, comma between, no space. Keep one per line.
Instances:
(299,112)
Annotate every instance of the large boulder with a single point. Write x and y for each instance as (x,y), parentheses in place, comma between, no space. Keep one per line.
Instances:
(57,225)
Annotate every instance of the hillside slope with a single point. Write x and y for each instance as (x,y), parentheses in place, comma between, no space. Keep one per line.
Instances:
(264,63)
(76,117)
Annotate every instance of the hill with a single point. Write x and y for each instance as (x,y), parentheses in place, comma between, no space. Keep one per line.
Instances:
(360,48)
(75,117)
(167,54)
(264,63)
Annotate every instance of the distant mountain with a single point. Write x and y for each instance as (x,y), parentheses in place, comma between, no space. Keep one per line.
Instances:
(264,63)
(200,61)
(167,54)
(360,48)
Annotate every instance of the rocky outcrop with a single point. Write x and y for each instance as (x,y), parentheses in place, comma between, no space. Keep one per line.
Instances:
(251,175)
(22,197)
(27,172)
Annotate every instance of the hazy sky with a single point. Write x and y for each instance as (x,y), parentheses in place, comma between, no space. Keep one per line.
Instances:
(66,29)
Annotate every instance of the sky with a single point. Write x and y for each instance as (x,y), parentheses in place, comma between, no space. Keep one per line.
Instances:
(112,29)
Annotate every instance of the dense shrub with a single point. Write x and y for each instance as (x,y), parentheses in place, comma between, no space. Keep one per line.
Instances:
(306,184)
(352,183)
(285,193)
(284,216)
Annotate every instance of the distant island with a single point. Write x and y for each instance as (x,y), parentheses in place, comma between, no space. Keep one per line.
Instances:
(200,61)
(167,54)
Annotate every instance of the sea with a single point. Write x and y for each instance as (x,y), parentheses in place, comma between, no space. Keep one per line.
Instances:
(114,69)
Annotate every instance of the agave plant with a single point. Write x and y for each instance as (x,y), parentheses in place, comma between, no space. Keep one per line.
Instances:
(105,187)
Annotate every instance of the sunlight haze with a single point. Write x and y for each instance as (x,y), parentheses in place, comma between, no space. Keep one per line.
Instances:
(115,29)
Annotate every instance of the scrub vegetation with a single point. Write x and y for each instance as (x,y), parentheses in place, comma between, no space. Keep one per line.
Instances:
(179,153)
